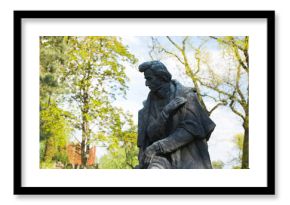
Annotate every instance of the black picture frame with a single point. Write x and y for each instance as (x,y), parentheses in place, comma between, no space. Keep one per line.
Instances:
(19,189)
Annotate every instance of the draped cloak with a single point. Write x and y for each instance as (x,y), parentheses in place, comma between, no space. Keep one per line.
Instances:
(184,138)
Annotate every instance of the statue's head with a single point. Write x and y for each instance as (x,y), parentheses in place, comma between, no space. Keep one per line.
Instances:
(155,73)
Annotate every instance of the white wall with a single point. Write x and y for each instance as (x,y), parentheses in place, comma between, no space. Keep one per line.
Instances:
(282,99)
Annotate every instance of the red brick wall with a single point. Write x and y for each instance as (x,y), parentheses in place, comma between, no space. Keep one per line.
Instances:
(74,155)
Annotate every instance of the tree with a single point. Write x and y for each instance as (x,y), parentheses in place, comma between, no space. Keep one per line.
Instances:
(238,141)
(227,89)
(237,47)
(54,135)
(94,75)
(121,143)
(54,126)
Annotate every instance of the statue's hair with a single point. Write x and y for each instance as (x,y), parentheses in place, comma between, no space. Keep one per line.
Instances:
(158,68)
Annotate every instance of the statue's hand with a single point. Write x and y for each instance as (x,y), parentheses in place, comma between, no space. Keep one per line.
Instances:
(150,152)
(174,104)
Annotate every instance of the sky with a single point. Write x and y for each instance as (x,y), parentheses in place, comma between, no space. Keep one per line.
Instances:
(221,146)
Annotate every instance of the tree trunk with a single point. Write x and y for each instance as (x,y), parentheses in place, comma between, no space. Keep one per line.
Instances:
(245,157)
(85,129)
(84,142)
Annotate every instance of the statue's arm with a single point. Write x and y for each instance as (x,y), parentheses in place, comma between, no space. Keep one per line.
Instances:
(188,129)
(157,127)
(174,141)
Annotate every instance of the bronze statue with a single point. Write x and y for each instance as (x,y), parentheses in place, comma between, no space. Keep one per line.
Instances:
(173,128)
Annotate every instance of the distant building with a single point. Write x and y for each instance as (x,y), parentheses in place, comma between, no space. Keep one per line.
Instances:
(74,155)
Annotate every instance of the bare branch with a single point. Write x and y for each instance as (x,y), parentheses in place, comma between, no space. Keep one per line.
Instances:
(173,43)
(235,110)
(238,57)
(236,51)
(216,106)
(197,58)
(154,42)
(215,88)
(246,54)
(183,43)
(209,96)
(173,54)
(230,43)
(237,87)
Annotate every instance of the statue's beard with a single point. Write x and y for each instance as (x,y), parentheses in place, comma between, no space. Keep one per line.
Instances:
(163,91)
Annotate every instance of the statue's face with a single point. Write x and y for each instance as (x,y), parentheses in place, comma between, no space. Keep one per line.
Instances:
(152,81)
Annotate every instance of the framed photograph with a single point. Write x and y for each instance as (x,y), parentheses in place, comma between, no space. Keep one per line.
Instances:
(144,102)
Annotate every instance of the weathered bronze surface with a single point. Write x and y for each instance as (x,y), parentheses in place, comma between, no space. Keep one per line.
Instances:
(173,128)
